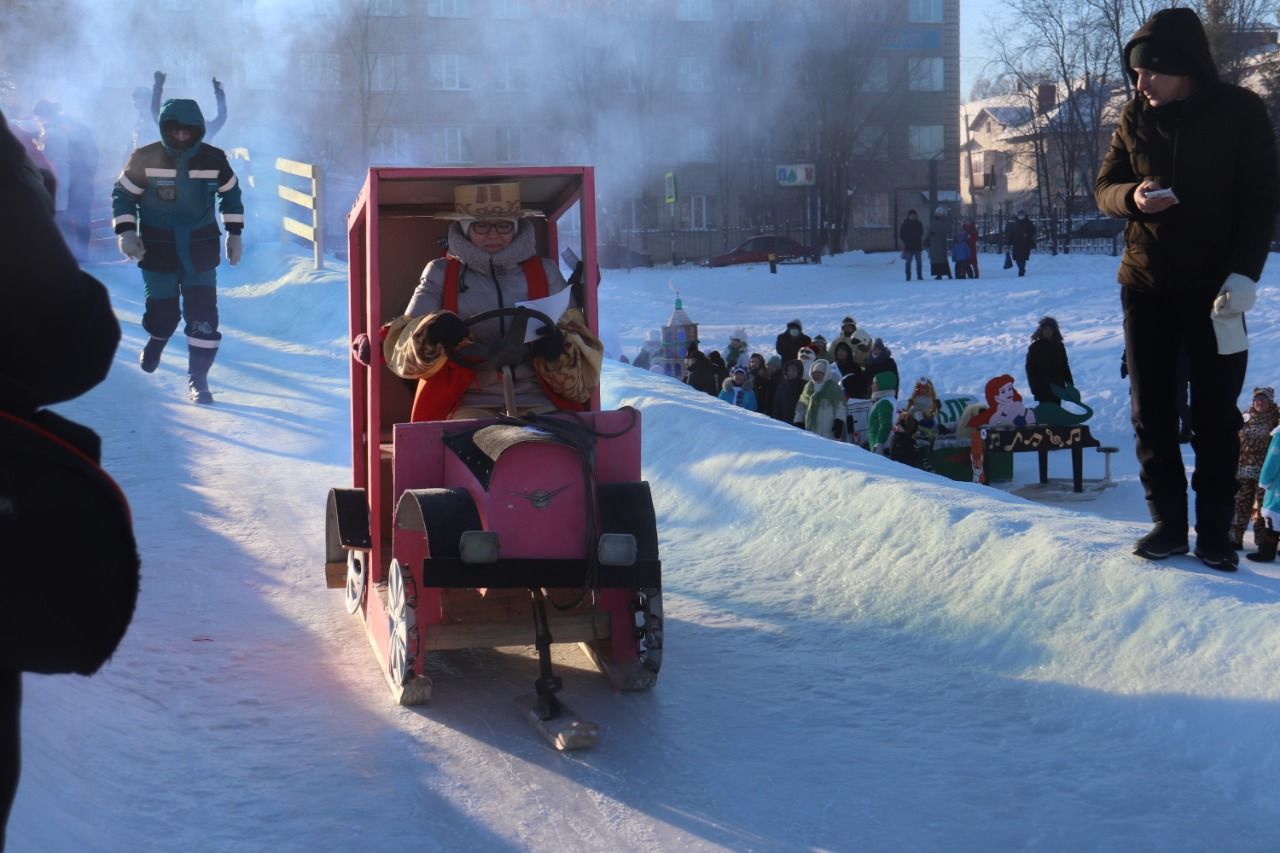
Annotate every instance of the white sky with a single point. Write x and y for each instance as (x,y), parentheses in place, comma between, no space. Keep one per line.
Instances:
(975,18)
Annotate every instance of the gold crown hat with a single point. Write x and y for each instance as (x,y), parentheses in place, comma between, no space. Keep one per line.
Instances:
(487,201)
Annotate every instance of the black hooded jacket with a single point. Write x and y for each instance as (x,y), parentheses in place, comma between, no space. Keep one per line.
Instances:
(702,374)
(1047,364)
(1216,149)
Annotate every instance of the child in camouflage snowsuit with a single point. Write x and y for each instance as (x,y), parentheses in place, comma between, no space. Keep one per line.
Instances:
(1260,419)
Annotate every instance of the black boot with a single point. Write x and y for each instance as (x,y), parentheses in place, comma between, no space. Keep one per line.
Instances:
(199,360)
(149,360)
(1267,538)
(1164,540)
(1213,539)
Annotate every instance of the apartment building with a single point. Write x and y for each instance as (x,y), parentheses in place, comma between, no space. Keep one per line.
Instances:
(688,109)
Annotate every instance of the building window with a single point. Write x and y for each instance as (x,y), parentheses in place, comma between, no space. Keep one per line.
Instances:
(321,71)
(511,74)
(694,10)
(870,210)
(924,141)
(449,145)
(694,213)
(695,145)
(448,71)
(390,73)
(450,9)
(388,8)
(694,74)
(699,215)
(925,74)
(392,146)
(751,10)
(511,9)
(924,11)
(871,143)
(876,78)
(511,145)
(639,214)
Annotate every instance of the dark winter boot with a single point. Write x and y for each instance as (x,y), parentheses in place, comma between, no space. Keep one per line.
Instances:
(149,360)
(1217,554)
(1267,538)
(199,360)
(1213,538)
(1164,540)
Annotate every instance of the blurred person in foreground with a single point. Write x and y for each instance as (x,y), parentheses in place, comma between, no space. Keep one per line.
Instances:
(45,290)
(1192,166)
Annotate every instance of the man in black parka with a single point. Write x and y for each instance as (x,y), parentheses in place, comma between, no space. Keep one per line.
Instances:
(1192,259)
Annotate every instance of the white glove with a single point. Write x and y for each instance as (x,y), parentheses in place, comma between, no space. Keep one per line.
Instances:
(1237,295)
(235,248)
(131,245)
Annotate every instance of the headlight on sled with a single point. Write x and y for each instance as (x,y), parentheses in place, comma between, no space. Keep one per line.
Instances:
(616,549)
(478,546)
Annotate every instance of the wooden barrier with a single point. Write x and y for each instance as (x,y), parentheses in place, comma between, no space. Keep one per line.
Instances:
(311,230)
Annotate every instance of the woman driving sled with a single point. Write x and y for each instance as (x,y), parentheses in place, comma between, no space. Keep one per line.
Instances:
(492,263)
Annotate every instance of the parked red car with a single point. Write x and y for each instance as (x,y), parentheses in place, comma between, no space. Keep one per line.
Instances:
(757,251)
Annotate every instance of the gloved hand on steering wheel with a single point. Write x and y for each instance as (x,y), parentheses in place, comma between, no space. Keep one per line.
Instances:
(550,343)
(446,329)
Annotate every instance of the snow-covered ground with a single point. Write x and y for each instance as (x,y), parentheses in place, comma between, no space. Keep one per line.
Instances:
(859,656)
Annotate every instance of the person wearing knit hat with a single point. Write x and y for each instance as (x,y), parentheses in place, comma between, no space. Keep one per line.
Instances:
(1269,521)
(806,357)
(700,373)
(763,381)
(884,411)
(822,402)
(791,384)
(880,359)
(1260,419)
(1047,363)
(1192,165)
(735,391)
(789,342)
(735,354)
(852,335)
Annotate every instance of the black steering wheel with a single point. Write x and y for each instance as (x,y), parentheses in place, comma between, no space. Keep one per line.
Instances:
(509,350)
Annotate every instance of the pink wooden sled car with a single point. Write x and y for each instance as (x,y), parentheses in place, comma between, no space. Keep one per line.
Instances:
(453,532)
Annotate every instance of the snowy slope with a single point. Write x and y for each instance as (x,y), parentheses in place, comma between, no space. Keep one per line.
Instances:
(859,656)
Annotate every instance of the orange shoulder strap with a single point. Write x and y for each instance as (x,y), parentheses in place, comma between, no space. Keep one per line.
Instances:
(449,299)
(535,277)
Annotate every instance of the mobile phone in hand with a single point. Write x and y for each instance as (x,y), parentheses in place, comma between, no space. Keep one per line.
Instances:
(1161,193)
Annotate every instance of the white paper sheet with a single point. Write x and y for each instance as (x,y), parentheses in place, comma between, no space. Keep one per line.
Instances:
(553,306)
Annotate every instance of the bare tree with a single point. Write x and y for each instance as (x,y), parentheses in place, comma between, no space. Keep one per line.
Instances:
(1063,58)
(378,74)
(841,72)
(1234,28)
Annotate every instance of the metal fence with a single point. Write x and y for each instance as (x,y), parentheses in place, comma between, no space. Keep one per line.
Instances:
(1056,234)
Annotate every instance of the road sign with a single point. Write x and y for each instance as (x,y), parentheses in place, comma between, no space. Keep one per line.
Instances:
(669,190)
(797,175)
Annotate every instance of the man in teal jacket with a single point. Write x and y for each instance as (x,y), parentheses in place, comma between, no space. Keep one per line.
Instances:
(163,213)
